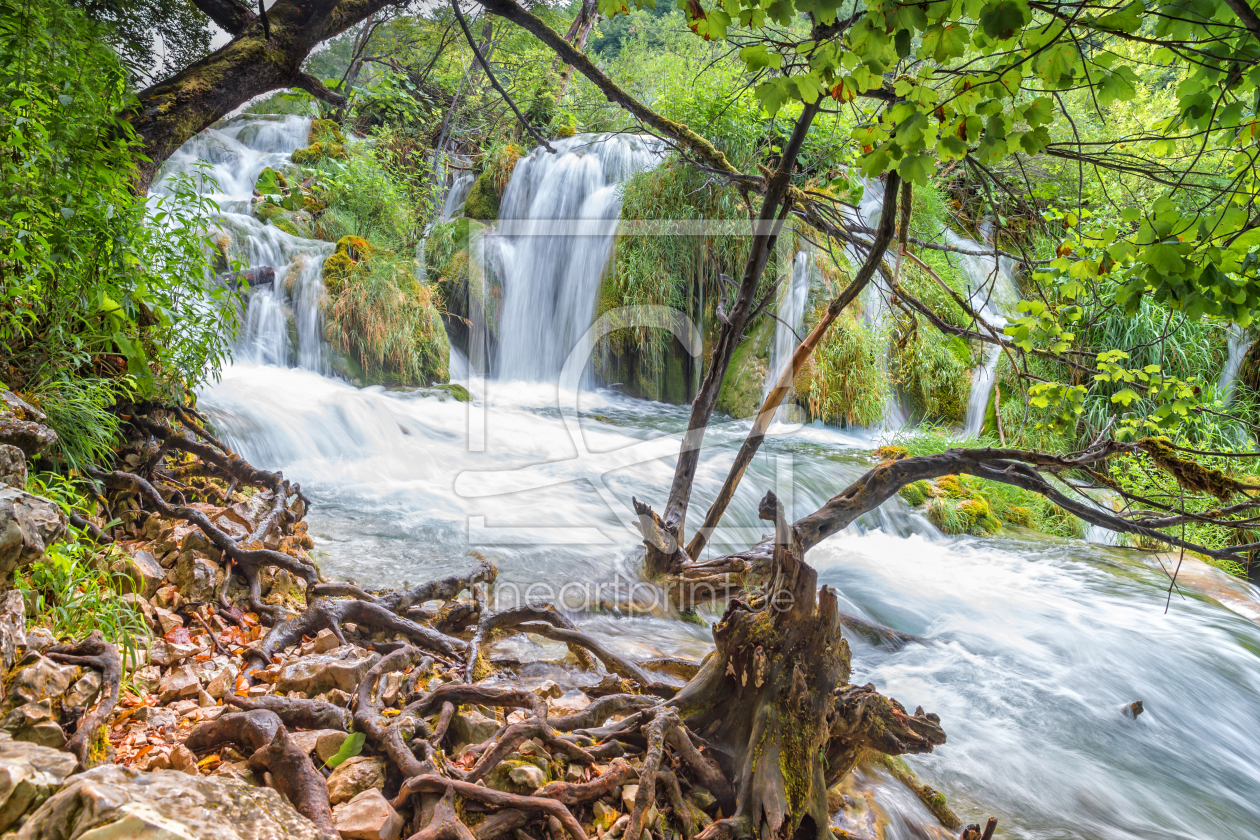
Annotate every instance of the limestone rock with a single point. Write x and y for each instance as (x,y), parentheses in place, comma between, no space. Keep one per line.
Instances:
(22,425)
(12,466)
(471,727)
(167,620)
(222,682)
(548,689)
(111,803)
(197,578)
(34,722)
(179,683)
(39,639)
(628,793)
(341,668)
(12,628)
(308,740)
(528,777)
(166,653)
(28,525)
(355,775)
(183,760)
(83,693)
(329,743)
(142,574)
(368,816)
(29,774)
(37,678)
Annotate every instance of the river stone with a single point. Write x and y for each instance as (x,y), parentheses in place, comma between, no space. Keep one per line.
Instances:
(112,803)
(83,692)
(368,816)
(197,578)
(141,572)
(12,466)
(28,525)
(22,425)
(355,775)
(341,668)
(29,774)
(39,639)
(528,777)
(471,727)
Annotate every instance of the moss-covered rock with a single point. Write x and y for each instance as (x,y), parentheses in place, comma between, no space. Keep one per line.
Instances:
(746,377)
(314,153)
(266,211)
(916,493)
(287,226)
(325,131)
(269,178)
(483,200)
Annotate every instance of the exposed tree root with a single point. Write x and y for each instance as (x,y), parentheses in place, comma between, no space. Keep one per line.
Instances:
(445,824)
(93,652)
(571,793)
(617,664)
(296,777)
(477,669)
(494,798)
(600,710)
(294,712)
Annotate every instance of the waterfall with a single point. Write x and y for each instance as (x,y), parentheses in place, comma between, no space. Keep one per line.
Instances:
(1239,343)
(790,310)
(282,323)
(456,195)
(551,271)
(992,293)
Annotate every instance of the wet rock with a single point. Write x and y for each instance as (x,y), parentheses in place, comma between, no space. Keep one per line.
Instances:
(471,727)
(28,525)
(1132,710)
(341,668)
(368,816)
(22,425)
(180,682)
(37,678)
(528,777)
(142,574)
(12,466)
(110,802)
(197,578)
(29,774)
(548,689)
(355,775)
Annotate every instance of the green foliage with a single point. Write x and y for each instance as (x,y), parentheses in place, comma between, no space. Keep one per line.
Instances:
(352,746)
(389,323)
(366,199)
(315,153)
(100,295)
(844,381)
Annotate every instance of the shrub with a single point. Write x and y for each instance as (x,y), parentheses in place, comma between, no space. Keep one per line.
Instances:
(325,131)
(844,381)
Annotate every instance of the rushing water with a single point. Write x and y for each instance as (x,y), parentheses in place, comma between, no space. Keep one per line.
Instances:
(1036,643)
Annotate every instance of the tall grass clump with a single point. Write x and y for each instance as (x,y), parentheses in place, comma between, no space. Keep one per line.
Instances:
(844,381)
(389,323)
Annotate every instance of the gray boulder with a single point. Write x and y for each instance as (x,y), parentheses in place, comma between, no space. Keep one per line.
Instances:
(197,578)
(29,774)
(28,525)
(111,803)
(12,466)
(142,574)
(22,425)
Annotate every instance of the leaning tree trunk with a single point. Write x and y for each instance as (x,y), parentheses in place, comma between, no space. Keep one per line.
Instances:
(765,695)
(265,54)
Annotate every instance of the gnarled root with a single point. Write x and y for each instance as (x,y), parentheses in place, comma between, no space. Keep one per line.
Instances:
(493,798)
(294,712)
(93,652)
(296,777)
(445,824)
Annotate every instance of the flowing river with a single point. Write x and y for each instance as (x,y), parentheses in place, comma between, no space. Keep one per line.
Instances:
(1035,643)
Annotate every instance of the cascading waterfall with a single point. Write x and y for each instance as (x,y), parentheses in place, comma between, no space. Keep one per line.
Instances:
(282,324)
(790,312)
(1036,642)
(1239,343)
(991,282)
(456,195)
(557,221)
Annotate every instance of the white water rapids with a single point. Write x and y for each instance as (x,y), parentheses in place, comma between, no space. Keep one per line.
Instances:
(1036,643)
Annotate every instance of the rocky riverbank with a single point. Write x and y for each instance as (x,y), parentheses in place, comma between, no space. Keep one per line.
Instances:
(266,702)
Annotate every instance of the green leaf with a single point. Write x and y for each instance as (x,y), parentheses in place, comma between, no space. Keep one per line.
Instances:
(1003,18)
(352,746)
(757,57)
(943,43)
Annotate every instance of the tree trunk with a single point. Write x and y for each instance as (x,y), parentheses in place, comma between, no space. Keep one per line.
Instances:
(774,699)
(251,64)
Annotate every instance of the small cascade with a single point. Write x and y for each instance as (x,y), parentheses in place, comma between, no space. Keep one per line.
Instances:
(282,324)
(551,268)
(790,312)
(1239,343)
(993,293)
(456,195)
